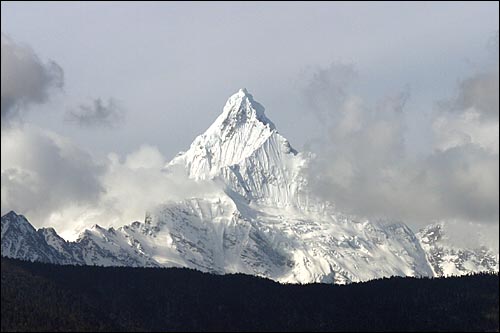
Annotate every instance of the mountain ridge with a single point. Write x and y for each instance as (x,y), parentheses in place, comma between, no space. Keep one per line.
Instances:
(262,220)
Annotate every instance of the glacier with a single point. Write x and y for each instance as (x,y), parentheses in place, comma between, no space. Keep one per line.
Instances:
(260,220)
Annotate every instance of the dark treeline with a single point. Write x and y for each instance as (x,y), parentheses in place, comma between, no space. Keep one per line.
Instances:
(44,297)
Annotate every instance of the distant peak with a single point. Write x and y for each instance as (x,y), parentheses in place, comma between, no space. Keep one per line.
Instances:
(96,227)
(241,94)
(48,232)
(11,214)
(243,91)
(241,108)
(17,219)
(238,132)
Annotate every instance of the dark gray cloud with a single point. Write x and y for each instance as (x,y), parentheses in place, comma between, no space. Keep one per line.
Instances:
(465,182)
(56,183)
(97,114)
(25,79)
(364,167)
(43,173)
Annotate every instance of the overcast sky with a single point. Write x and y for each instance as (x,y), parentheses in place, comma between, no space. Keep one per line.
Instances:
(172,65)
(115,77)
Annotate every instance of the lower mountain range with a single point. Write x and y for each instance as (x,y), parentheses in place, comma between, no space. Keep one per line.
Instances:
(260,219)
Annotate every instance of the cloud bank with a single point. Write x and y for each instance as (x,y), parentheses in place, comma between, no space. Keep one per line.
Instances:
(43,173)
(54,182)
(365,168)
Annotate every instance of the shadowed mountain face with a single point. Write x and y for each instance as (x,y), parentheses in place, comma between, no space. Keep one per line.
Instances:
(21,240)
(260,220)
(45,297)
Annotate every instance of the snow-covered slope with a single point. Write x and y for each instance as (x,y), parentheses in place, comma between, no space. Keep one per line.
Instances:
(244,149)
(447,259)
(21,240)
(270,225)
(68,252)
(259,219)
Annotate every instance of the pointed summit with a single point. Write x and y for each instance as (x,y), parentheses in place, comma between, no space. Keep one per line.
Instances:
(11,214)
(240,108)
(14,217)
(244,149)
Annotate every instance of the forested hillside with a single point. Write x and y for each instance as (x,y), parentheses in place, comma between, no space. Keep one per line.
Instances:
(44,297)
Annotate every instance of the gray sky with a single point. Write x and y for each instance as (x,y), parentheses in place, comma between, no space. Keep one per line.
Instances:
(173,65)
(145,78)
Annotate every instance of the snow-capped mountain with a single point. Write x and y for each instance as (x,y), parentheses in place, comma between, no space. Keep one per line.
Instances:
(244,149)
(261,220)
(447,259)
(21,240)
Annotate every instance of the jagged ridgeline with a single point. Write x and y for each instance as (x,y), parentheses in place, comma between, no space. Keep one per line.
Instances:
(259,219)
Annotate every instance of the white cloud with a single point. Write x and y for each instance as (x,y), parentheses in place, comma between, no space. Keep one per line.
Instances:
(54,182)
(364,167)
(455,130)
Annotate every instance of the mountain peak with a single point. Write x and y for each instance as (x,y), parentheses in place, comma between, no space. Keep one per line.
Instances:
(240,109)
(11,214)
(243,91)
(240,130)
(244,150)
